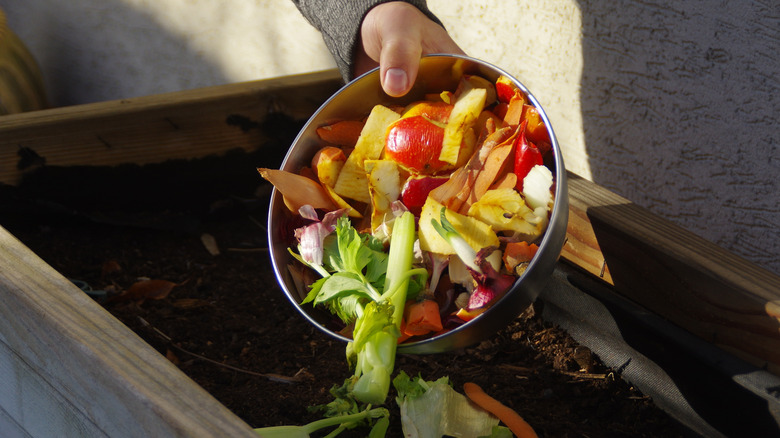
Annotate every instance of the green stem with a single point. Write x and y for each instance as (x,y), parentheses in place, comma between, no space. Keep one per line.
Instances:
(336,432)
(375,295)
(319,268)
(307,429)
(408,275)
(399,264)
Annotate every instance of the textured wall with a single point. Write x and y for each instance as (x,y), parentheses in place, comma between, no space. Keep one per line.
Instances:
(95,50)
(669,103)
(673,104)
(680,105)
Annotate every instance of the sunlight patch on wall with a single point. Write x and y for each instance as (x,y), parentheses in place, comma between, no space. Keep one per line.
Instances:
(247,40)
(540,43)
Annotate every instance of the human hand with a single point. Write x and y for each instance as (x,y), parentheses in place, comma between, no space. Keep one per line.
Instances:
(394,36)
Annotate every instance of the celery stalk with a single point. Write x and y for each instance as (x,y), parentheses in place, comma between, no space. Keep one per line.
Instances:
(376,333)
(350,293)
(399,264)
(343,421)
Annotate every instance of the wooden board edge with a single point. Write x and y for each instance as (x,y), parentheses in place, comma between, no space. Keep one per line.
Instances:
(696,284)
(58,340)
(144,104)
(151,129)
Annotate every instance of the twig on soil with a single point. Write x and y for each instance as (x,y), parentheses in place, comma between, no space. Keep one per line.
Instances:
(516,369)
(270,376)
(542,332)
(592,376)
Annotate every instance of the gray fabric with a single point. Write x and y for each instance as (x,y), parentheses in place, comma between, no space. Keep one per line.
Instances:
(710,391)
(339,22)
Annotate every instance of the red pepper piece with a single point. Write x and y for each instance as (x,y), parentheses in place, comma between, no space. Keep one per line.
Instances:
(527,155)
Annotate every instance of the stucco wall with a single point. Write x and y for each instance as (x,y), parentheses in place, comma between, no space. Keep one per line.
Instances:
(669,103)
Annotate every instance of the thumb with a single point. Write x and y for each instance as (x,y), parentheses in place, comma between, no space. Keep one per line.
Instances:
(399,62)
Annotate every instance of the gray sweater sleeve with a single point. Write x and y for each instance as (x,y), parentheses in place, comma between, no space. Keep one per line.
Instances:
(339,22)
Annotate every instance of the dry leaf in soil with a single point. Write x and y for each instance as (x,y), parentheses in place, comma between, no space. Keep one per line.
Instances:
(147,290)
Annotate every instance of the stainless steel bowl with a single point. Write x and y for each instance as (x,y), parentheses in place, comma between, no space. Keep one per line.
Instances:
(354,101)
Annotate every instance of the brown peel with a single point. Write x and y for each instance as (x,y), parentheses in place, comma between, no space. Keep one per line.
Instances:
(298,190)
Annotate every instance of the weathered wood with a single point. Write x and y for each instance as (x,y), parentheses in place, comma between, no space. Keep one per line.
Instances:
(581,247)
(156,128)
(696,284)
(69,368)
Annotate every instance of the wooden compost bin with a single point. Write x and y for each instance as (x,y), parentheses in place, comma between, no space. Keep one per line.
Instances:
(69,368)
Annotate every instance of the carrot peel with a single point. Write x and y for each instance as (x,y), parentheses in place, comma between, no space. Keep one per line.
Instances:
(421,318)
(518,252)
(341,133)
(507,415)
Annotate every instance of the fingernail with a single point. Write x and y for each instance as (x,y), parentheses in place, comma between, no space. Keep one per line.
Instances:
(396,82)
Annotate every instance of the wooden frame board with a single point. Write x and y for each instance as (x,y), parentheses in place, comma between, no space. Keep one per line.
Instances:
(674,273)
(67,367)
(153,129)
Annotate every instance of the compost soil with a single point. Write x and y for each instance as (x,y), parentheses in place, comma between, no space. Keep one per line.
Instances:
(223,320)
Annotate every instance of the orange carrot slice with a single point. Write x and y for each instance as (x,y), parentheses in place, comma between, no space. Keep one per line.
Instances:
(403,336)
(518,252)
(341,133)
(509,417)
(422,317)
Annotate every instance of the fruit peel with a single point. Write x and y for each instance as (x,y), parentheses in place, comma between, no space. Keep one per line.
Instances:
(476,233)
(505,210)
(352,182)
(462,118)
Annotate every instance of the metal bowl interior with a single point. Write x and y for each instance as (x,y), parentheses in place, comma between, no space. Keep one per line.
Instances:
(354,101)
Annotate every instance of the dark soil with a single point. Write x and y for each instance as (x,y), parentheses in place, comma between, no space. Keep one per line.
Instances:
(228,326)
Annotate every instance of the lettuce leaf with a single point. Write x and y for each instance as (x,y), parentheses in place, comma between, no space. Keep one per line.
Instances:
(434,409)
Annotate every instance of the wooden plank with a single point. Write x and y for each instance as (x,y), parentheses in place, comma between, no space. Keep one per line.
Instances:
(69,368)
(156,128)
(581,247)
(694,283)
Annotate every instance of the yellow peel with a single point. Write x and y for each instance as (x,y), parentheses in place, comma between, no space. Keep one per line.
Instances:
(505,210)
(476,233)
(352,182)
(465,112)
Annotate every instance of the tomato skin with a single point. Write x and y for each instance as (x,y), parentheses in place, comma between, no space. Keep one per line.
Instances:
(415,143)
(415,191)
(527,155)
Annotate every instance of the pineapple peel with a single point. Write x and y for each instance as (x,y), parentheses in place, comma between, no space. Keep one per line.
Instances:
(477,234)
(505,210)
(352,181)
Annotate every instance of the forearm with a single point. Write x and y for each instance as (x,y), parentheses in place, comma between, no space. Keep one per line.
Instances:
(339,22)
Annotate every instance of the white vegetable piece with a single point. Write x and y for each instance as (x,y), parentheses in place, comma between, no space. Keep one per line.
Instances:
(536,187)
